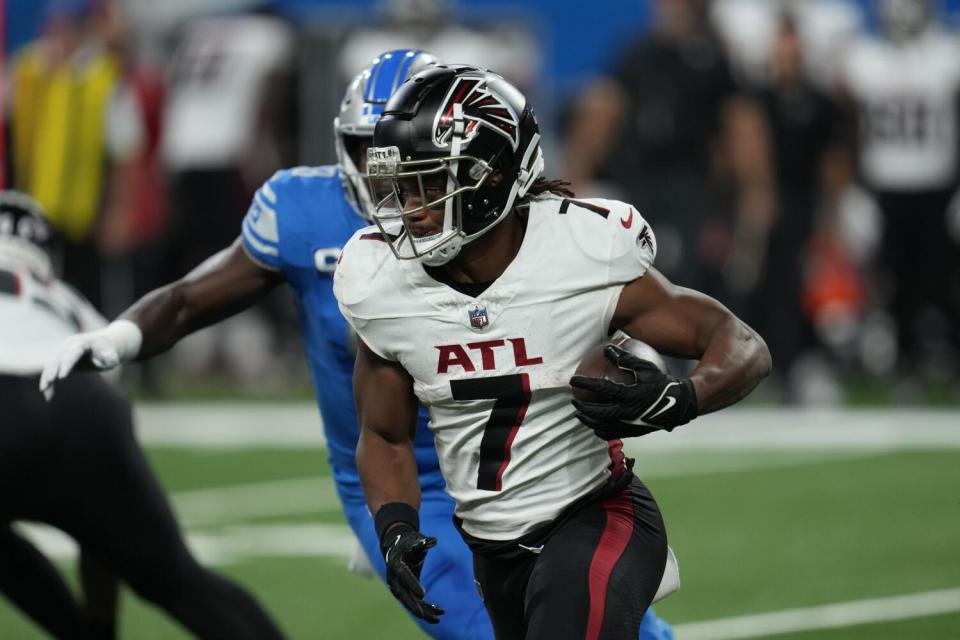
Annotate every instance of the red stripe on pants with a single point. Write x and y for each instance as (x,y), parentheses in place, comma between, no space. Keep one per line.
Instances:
(617,464)
(616,534)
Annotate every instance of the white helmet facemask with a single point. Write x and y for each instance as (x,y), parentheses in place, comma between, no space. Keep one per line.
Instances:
(417,188)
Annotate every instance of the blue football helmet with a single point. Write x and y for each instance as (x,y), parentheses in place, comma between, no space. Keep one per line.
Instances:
(361,108)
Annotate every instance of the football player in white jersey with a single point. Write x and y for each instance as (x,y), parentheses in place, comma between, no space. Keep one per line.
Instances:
(74,463)
(478,292)
(292,234)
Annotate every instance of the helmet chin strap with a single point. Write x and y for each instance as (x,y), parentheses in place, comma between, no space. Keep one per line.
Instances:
(444,253)
(529,175)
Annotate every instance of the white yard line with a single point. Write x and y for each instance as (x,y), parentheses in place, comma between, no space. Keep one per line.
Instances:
(227,545)
(335,541)
(301,496)
(791,429)
(218,518)
(675,464)
(817,436)
(274,540)
(298,425)
(220,425)
(831,616)
(218,505)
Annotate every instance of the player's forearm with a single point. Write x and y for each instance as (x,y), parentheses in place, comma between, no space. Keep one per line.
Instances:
(388,471)
(223,285)
(163,317)
(169,313)
(735,361)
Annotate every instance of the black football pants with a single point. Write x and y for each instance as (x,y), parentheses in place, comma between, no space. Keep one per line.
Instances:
(74,463)
(922,263)
(594,577)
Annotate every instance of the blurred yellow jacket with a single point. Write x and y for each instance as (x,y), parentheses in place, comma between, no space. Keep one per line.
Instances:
(58,130)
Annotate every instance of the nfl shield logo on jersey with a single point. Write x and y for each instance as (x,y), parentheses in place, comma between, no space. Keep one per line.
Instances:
(478,318)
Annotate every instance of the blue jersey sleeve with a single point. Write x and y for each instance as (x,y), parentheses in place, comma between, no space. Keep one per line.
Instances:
(261,236)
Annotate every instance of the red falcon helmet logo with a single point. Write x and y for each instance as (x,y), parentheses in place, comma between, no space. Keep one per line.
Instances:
(481,108)
(645,237)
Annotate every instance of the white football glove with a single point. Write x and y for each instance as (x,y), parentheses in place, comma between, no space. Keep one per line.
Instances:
(105,348)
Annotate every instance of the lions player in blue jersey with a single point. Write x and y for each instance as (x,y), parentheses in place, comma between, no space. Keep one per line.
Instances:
(293,233)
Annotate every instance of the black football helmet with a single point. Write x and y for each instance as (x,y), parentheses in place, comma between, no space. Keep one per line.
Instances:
(460,138)
(25,234)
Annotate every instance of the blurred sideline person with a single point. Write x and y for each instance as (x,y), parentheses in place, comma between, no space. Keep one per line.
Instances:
(670,131)
(293,233)
(63,142)
(905,89)
(477,293)
(226,74)
(749,29)
(806,160)
(134,223)
(436,26)
(74,463)
(228,124)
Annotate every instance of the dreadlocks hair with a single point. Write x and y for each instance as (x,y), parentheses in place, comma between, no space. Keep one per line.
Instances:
(541,185)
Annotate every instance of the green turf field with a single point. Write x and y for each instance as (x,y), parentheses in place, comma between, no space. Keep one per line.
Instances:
(756,532)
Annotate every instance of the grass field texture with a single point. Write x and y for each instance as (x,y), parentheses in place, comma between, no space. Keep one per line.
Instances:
(761,525)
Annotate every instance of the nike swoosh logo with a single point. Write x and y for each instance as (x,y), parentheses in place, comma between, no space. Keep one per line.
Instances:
(386,556)
(628,221)
(670,402)
(537,549)
(650,414)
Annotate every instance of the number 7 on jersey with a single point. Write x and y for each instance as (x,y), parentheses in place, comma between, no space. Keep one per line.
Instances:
(511,394)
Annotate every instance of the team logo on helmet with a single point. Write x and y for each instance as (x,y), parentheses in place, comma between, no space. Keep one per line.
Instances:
(481,108)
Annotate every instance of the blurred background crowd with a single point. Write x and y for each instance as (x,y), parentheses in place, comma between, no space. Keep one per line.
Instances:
(798,159)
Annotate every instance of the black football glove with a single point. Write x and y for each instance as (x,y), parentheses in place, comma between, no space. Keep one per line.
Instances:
(404,549)
(655,401)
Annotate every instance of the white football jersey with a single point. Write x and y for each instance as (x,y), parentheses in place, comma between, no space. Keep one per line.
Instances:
(220,77)
(36,314)
(908,122)
(493,371)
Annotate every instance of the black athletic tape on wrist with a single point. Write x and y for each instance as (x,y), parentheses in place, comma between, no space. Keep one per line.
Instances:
(395,513)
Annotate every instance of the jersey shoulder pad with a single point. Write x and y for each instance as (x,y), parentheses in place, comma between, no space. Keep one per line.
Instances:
(321,172)
(368,285)
(610,234)
(260,232)
(365,262)
(634,246)
(279,205)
